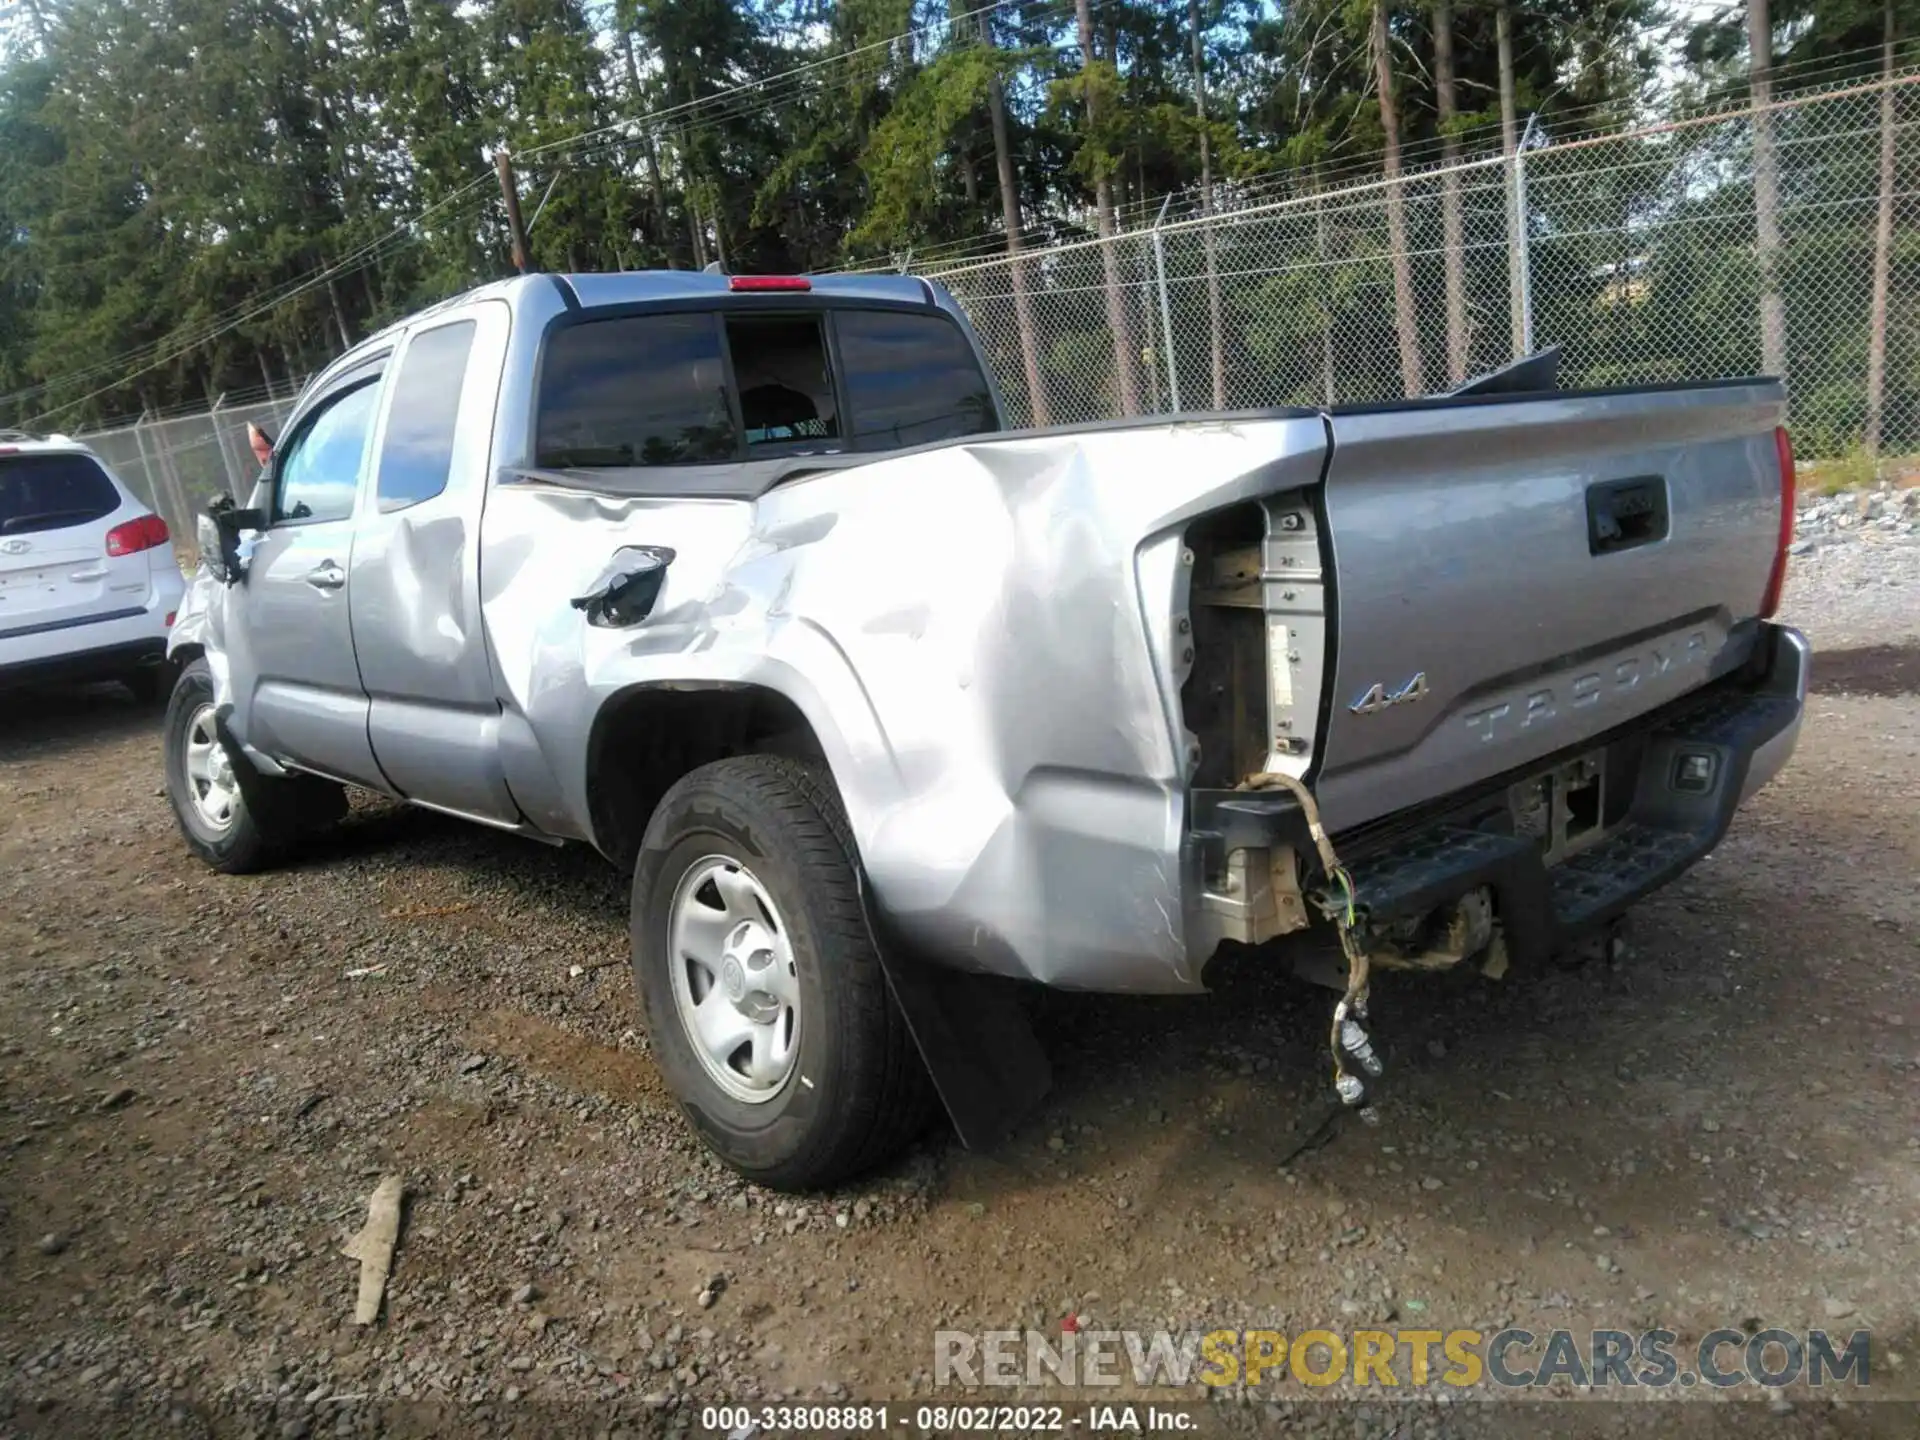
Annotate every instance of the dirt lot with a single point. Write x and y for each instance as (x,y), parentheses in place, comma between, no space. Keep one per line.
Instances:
(203,1078)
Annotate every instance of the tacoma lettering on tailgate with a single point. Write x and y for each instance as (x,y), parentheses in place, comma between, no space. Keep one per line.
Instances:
(1544,705)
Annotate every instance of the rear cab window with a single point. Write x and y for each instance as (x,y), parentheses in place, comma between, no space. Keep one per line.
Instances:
(52,492)
(728,384)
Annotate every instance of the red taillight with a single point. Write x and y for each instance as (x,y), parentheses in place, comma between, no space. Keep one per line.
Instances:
(1776,582)
(170,615)
(137,535)
(768,282)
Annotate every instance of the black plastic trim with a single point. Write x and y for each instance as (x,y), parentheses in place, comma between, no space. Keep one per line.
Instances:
(46,627)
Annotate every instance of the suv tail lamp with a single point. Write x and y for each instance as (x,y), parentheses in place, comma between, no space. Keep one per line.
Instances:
(1776,581)
(748,283)
(131,538)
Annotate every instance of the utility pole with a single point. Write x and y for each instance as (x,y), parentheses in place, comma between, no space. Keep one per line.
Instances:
(516,232)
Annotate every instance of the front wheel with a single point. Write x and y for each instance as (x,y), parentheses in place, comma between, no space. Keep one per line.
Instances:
(768,1011)
(232,817)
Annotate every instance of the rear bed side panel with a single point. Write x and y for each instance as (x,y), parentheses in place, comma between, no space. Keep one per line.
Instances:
(1468,586)
(984,638)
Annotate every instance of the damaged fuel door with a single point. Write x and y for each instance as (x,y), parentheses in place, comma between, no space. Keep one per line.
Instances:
(627,587)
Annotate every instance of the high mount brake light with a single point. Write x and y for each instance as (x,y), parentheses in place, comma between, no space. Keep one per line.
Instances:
(751,283)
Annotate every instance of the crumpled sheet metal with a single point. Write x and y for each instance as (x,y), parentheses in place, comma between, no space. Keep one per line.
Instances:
(982,637)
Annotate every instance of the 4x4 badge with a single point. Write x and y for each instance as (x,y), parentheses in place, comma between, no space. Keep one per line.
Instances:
(1381,698)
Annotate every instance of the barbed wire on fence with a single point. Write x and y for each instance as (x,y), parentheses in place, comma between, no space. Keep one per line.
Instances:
(1635,251)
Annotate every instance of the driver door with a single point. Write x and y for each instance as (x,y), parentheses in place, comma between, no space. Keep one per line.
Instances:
(295,677)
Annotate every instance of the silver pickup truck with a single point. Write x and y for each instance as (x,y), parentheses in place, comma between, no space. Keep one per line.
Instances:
(740,581)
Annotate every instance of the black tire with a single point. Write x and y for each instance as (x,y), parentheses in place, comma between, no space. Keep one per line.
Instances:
(271,816)
(858,1093)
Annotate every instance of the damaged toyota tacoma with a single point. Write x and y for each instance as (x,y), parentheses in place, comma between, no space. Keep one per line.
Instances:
(741,581)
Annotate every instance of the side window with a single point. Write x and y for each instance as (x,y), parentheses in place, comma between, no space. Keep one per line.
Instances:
(316,479)
(417,450)
(910,379)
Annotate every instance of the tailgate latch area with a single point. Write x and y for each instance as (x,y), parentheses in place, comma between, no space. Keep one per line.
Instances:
(1623,514)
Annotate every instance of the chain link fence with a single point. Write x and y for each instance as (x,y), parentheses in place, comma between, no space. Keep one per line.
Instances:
(179,466)
(1636,252)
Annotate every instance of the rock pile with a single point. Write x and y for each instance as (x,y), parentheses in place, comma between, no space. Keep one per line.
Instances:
(1849,514)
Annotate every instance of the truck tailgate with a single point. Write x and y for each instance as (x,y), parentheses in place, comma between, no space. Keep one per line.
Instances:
(1516,575)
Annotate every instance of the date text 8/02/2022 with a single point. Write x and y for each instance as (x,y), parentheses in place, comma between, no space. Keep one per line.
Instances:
(945,1418)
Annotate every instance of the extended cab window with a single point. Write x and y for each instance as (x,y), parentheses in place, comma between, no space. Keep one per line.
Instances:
(635,390)
(417,451)
(316,478)
(910,379)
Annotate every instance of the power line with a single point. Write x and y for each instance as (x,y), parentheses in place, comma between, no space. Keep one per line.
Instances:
(758,88)
(170,347)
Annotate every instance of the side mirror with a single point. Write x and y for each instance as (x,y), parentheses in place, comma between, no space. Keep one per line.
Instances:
(626,590)
(225,536)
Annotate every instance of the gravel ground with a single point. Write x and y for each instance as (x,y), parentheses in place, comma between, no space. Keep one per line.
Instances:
(202,1079)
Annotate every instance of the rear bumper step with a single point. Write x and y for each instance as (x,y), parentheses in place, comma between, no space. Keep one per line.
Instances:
(1684,770)
(1739,733)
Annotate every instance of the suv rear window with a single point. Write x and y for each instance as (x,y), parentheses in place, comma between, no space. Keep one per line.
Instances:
(51,492)
(715,385)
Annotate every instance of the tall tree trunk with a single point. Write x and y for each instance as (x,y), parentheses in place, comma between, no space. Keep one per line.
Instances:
(1123,348)
(636,97)
(1326,304)
(1010,219)
(1215,351)
(965,27)
(1766,193)
(696,235)
(1516,215)
(1454,236)
(1405,324)
(1882,253)
(339,315)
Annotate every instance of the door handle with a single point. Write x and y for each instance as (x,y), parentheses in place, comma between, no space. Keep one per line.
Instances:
(327,576)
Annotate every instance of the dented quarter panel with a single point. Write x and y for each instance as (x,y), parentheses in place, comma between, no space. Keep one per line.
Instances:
(981,638)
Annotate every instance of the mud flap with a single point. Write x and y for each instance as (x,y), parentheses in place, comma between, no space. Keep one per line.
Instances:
(978,1046)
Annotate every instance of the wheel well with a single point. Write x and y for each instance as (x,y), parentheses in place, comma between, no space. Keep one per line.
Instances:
(646,738)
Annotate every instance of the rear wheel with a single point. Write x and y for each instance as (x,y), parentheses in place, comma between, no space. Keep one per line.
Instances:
(233,817)
(763,995)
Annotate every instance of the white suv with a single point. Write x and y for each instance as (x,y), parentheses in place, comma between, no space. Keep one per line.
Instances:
(88,581)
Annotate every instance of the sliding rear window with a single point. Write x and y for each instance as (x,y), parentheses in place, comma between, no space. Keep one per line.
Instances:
(52,492)
(704,386)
